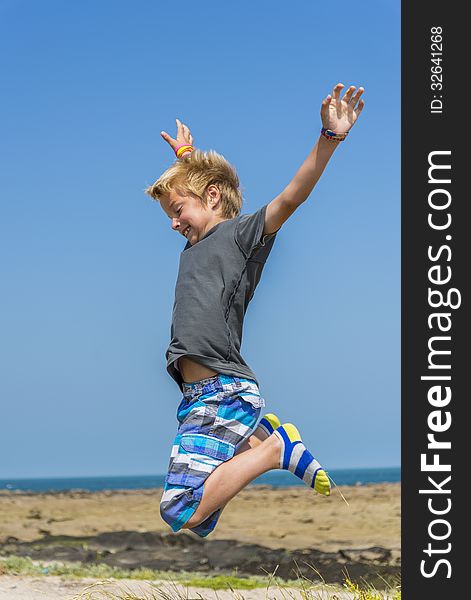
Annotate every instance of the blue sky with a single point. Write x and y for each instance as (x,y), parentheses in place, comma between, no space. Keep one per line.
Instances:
(89,262)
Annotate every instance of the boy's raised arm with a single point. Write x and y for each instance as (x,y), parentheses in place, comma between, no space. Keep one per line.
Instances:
(338,117)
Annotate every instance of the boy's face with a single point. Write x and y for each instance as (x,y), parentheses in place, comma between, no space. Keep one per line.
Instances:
(189,216)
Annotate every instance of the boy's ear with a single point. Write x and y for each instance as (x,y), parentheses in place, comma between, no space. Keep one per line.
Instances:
(213,195)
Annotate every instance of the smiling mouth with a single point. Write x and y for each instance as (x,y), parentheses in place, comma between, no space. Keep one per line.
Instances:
(186,231)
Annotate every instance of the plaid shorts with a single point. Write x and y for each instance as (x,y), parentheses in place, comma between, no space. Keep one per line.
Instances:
(215,416)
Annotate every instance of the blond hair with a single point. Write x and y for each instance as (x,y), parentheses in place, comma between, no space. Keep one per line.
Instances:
(194,173)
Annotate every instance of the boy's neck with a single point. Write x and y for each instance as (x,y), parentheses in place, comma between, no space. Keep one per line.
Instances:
(212,223)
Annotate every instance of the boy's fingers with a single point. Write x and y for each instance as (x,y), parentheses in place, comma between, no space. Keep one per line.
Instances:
(325,106)
(356,97)
(179,127)
(348,94)
(336,91)
(360,106)
(168,138)
(336,97)
(186,131)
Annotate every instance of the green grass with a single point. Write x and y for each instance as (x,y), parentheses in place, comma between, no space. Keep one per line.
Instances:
(307,589)
(15,565)
(226,582)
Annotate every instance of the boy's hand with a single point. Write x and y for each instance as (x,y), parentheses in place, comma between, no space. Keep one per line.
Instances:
(339,115)
(183,136)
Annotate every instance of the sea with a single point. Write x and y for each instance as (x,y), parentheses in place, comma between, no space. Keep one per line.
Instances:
(275,479)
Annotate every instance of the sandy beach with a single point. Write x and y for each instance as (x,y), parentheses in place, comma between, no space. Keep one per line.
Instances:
(277,518)
(286,519)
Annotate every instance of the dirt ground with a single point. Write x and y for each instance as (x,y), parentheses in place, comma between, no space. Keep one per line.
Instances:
(278,518)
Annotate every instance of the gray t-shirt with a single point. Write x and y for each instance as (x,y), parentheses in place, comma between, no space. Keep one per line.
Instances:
(216,280)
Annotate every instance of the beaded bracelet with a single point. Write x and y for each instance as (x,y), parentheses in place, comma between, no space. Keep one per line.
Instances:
(179,150)
(332,136)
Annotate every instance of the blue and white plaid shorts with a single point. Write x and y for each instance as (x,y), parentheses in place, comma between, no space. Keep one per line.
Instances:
(215,416)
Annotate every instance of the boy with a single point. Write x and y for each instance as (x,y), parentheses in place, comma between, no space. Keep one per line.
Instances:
(219,449)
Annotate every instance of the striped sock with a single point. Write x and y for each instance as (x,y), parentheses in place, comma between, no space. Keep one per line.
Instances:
(268,423)
(296,458)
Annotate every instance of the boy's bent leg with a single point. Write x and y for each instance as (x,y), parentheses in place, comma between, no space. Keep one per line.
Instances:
(281,450)
(265,428)
(232,476)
